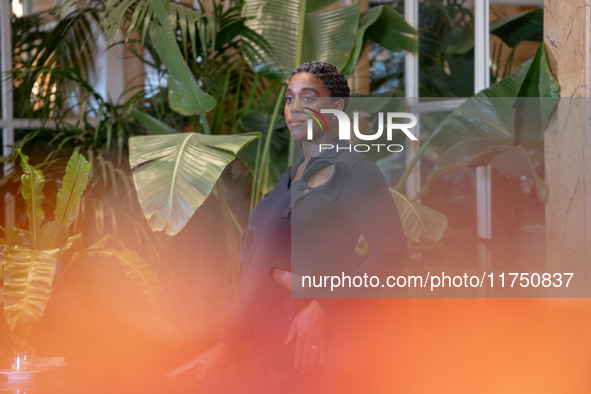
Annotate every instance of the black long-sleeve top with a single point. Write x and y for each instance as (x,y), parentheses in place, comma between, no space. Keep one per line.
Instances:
(314,231)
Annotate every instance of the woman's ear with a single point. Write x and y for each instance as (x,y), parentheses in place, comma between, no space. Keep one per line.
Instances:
(339,104)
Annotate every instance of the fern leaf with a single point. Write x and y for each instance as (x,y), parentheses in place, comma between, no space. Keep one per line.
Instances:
(73,185)
(32,183)
(28,279)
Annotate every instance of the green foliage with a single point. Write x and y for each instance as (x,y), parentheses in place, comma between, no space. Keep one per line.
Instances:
(447,42)
(524,26)
(185,95)
(419,222)
(30,257)
(46,59)
(73,185)
(173,174)
(298,32)
(32,182)
(28,280)
(483,129)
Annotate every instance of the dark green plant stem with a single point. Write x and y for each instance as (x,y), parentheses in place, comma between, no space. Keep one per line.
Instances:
(261,176)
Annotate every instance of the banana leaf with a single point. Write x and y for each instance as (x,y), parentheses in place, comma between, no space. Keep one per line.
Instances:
(174,174)
(419,222)
(512,29)
(28,279)
(298,31)
(185,95)
(509,161)
(533,109)
(490,114)
(32,183)
(70,193)
(524,26)
(496,115)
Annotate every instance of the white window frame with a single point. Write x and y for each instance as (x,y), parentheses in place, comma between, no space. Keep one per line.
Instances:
(481,81)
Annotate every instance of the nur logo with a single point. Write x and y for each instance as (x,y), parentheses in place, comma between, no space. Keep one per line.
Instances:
(317,117)
(388,125)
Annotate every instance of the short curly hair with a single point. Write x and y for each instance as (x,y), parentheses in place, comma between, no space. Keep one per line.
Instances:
(333,79)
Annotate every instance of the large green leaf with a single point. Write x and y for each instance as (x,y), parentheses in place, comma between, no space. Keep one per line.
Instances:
(512,29)
(70,193)
(185,95)
(390,30)
(137,269)
(509,161)
(533,108)
(28,279)
(299,31)
(296,37)
(174,174)
(419,222)
(490,114)
(32,183)
(384,26)
(152,124)
(494,113)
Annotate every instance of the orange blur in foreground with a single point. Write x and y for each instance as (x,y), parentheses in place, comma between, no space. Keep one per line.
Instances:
(495,346)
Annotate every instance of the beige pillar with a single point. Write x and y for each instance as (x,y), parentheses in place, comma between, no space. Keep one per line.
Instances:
(567,35)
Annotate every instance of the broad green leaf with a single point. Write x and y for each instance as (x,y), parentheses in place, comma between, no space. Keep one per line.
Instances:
(533,108)
(153,125)
(419,222)
(539,80)
(28,279)
(512,29)
(32,183)
(174,174)
(73,185)
(185,95)
(365,20)
(493,113)
(295,36)
(524,26)
(135,267)
(490,114)
(316,5)
(384,26)
(16,236)
(389,31)
(300,31)
(509,161)
(52,235)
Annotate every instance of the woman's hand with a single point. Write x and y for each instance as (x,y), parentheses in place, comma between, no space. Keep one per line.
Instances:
(203,363)
(309,330)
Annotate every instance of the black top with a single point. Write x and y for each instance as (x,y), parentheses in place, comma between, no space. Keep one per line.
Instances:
(314,231)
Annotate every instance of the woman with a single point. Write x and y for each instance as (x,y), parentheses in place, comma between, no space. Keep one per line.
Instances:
(309,225)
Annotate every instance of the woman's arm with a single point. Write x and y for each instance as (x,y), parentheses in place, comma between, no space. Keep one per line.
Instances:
(367,202)
(308,329)
(203,363)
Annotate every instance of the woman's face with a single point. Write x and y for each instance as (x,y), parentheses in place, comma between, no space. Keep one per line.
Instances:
(304,96)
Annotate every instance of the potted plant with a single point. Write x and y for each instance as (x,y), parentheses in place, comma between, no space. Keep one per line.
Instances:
(33,259)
